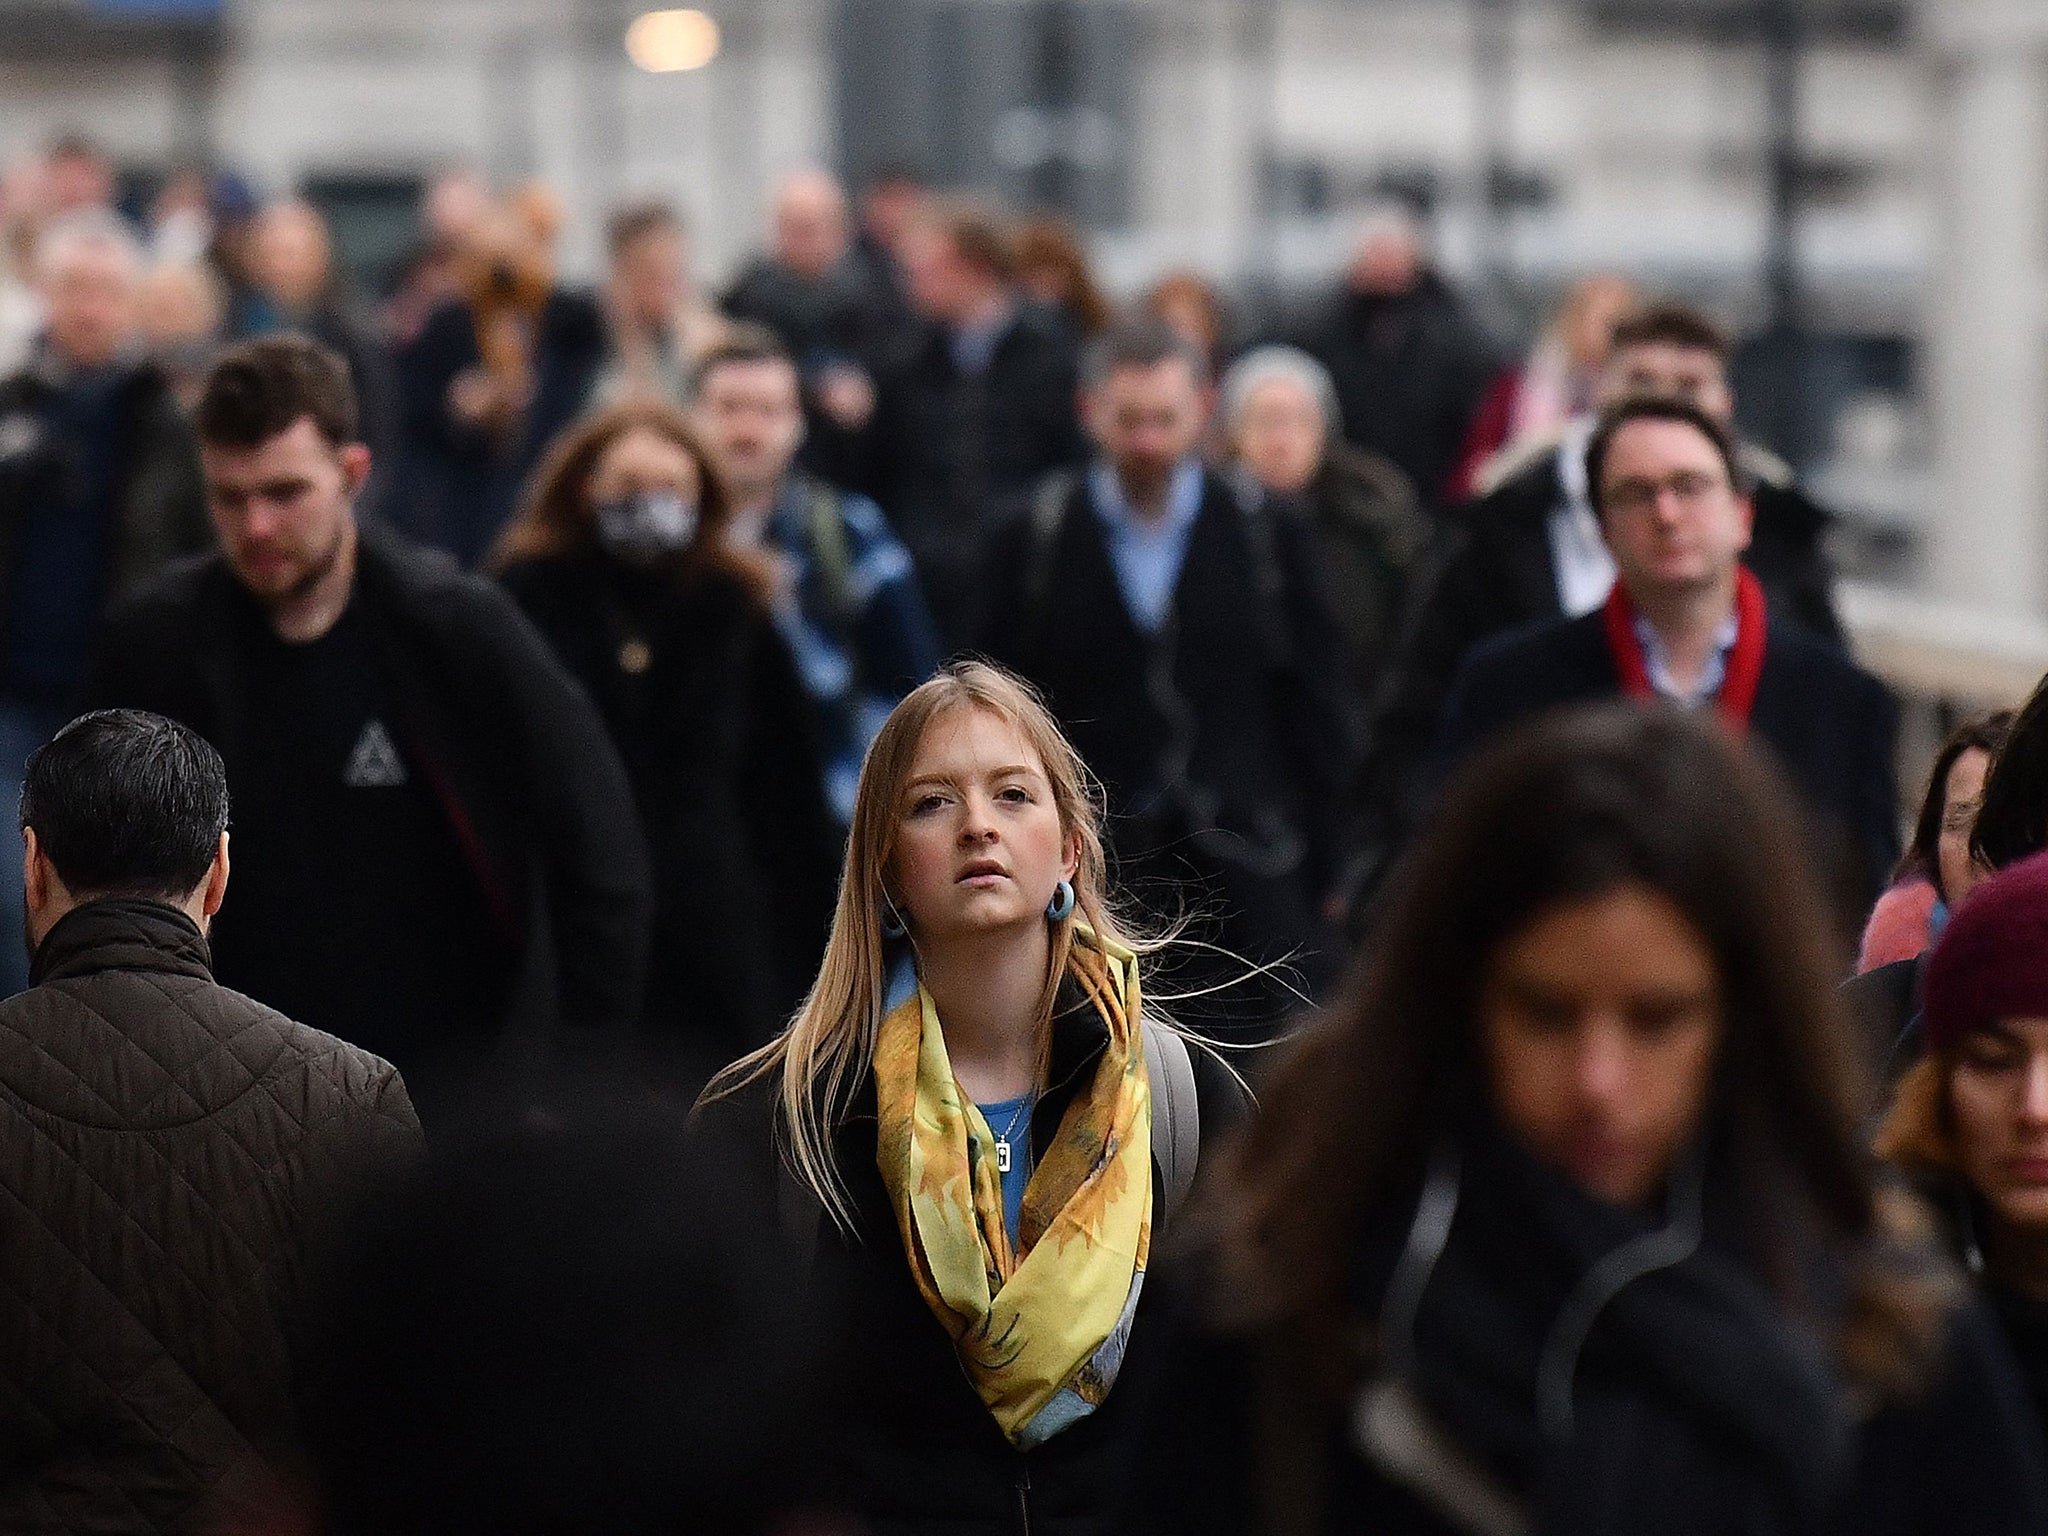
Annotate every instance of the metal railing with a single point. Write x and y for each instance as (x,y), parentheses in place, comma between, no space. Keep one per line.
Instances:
(1946,662)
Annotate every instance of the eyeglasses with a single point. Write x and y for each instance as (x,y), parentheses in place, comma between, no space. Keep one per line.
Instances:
(1691,488)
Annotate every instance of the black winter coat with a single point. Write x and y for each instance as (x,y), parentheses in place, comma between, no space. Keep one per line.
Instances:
(720,742)
(1493,571)
(906,1444)
(158,493)
(848,318)
(948,453)
(1696,1406)
(1411,370)
(456,486)
(169,1153)
(1832,725)
(1885,1004)
(1225,737)
(1373,536)
(511,746)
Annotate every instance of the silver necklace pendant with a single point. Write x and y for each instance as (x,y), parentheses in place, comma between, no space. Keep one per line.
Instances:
(1002,1154)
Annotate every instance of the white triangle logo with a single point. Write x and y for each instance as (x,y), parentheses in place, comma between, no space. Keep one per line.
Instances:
(375,763)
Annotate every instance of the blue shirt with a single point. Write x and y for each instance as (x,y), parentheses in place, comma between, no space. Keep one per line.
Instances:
(1147,552)
(1010,1120)
(973,347)
(1657,662)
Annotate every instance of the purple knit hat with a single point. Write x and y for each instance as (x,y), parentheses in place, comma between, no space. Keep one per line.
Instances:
(1991,961)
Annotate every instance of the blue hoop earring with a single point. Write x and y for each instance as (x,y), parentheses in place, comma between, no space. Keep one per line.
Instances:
(1062,901)
(892,921)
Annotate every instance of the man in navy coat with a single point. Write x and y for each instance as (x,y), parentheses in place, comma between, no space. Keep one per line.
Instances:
(1688,624)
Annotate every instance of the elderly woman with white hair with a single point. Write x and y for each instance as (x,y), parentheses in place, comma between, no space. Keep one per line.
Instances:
(1281,430)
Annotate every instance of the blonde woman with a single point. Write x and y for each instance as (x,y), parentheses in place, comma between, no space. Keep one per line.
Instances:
(978,1170)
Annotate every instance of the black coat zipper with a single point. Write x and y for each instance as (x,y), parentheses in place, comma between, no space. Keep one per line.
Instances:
(1024,1499)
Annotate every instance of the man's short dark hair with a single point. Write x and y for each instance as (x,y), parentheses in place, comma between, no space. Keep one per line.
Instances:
(1669,324)
(1652,408)
(126,803)
(635,222)
(741,343)
(264,387)
(1140,342)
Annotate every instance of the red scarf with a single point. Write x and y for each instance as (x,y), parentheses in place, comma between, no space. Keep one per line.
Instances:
(1745,657)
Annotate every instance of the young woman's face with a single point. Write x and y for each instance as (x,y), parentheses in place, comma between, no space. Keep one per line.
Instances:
(1960,797)
(1998,1093)
(1600,1021)
(643,460)
(979,845)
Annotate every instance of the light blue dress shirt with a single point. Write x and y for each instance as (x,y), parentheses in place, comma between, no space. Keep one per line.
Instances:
(1657,662)
(1147,552)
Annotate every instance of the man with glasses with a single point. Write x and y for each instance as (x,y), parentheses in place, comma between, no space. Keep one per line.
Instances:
(1688,624)
(1530,550)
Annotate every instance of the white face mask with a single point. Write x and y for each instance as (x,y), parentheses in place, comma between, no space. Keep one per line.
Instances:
(647,525)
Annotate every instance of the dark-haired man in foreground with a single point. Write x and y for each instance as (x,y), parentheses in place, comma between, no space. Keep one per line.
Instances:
(435,841)
(167,1149)
(1686,623)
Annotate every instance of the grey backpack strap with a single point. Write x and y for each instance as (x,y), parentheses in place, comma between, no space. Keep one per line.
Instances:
(1176,1115)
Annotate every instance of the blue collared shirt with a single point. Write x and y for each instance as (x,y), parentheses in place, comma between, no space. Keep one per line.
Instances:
(1147,552)
(974,346)
(1657,662)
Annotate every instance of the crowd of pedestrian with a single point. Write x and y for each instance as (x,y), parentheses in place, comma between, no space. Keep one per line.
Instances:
(911,898)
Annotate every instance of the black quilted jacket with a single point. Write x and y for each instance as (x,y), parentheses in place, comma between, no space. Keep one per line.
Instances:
(167,1148)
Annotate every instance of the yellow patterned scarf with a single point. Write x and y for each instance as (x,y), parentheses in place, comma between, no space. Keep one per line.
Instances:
(1040,1329)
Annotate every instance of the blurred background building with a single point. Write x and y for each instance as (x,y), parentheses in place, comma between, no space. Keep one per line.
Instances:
(1856,186)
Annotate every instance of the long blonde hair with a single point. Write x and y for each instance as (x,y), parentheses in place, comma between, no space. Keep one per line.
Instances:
(821,1056)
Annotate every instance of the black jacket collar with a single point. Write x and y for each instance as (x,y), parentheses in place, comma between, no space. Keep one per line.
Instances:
(122,933)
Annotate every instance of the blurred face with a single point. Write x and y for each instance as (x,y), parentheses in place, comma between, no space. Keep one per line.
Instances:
(643,460)
(979,845)
(89,291)
(938,281)
(1388,261)
(889,209)
(810,227)
(283,508)
(752,420)
(1147,422)
(290,254)
(1050,283)
(1998,1093)
(1280,435)
(1658,368)
(1188,316)
(1590,315)
(177,306)
(455,205)
(75,181)
(1600,1022)
(648,282)
(1668,510)
(1960,797)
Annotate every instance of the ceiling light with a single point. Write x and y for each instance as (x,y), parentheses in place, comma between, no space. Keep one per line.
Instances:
(662,42)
